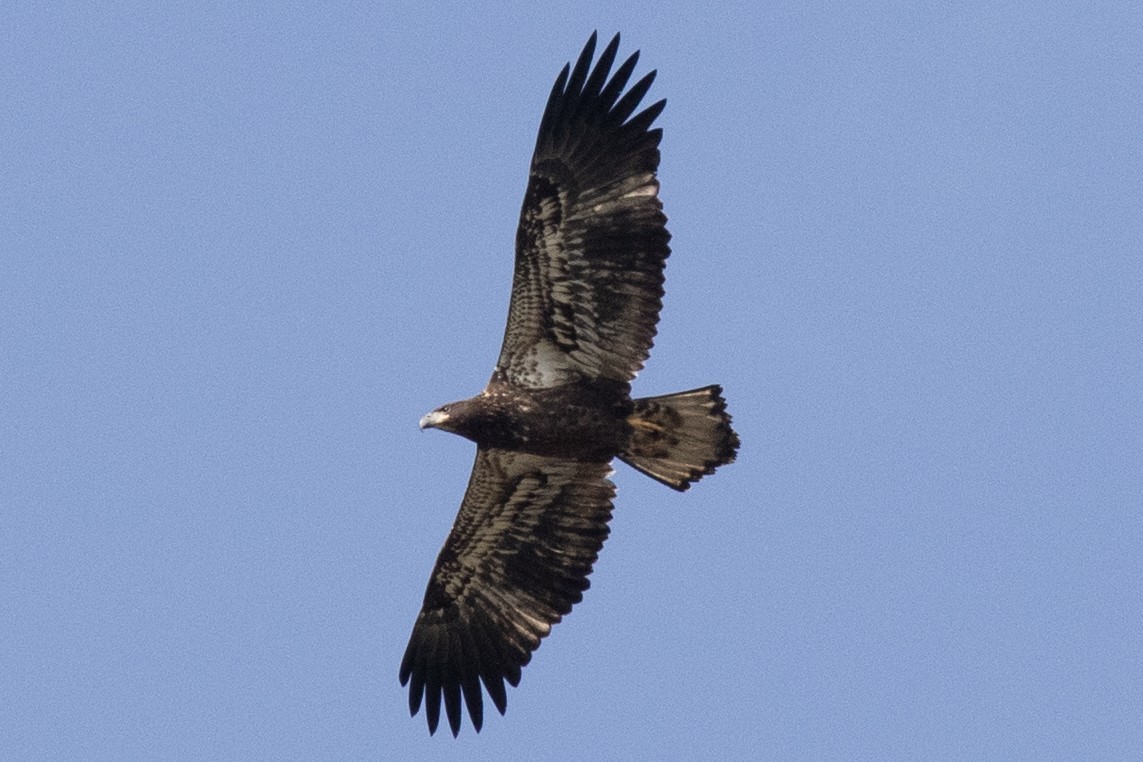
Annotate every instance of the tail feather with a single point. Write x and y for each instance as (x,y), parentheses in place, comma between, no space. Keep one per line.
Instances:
(678,438)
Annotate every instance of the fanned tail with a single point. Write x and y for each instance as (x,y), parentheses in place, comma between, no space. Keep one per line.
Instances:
(678,438)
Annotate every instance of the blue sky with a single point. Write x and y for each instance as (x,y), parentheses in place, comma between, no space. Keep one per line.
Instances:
(243,249)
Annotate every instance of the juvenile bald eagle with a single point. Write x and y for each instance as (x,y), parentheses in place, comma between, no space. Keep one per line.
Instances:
(586,295)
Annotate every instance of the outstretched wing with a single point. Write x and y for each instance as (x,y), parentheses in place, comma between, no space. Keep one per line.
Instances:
(517,559)
(592,240)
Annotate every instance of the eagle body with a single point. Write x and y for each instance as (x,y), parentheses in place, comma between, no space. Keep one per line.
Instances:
(586,419)
(587,289)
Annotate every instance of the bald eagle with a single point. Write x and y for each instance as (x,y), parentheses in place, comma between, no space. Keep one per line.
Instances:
(586,294)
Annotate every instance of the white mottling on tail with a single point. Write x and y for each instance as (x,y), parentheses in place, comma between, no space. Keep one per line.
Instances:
(679,438)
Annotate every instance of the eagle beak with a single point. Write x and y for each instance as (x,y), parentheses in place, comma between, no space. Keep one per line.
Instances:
(433,420)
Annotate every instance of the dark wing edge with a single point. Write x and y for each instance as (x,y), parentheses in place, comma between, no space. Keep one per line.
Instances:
(525,539)
(592,240)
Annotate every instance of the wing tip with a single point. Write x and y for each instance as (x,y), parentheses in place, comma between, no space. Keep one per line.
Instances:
(594,94)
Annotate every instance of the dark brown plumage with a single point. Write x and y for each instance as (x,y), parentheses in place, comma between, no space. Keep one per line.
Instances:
(586,295)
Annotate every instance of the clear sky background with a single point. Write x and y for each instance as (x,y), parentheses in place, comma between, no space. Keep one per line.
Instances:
(243,249)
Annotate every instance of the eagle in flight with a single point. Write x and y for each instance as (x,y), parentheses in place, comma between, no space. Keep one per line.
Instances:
(586,294)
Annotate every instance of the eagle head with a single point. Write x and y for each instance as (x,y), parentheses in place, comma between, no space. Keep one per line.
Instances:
(476,419)
(438,419)
(456,417)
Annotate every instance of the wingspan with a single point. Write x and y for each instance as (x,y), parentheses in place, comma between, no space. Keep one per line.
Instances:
(592,240)
(518,557)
